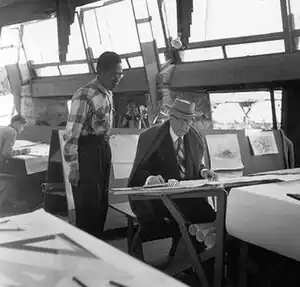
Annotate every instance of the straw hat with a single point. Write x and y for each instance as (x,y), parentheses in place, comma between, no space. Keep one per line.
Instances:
(183,109)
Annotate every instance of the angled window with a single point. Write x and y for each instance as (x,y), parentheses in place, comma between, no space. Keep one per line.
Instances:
(218,19)
(111,27)
(41,42)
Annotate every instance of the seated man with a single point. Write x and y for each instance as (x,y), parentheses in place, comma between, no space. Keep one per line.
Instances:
(8,135)
(173,150)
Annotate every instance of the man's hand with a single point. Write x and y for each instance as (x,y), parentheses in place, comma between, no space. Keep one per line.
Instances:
(25,151)
(74,176)
(154,179)
(208,174)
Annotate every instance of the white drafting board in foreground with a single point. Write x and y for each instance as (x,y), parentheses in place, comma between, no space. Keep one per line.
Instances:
(68,187)
(263,142)
(224,152)
(48,252)
(123,148)
(265,216)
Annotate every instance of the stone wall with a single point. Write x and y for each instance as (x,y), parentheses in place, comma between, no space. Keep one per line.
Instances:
(43,111)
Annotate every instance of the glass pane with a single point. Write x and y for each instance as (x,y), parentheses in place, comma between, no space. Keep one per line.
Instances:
(41,42)
(156,24)
(170,15)
(124,64)
(217,19)
(295,9)
(74,69)
(9,37)
(162,58)
(76,48)
(252,49)
(136,62)
(140,8)
(94,41)
(47,71)
(122,39)
(202,54)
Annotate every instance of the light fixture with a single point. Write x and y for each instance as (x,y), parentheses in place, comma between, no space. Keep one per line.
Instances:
(176,43)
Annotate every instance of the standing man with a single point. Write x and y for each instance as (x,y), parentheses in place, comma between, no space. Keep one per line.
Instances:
(87,148)
(173,150)
(8,135)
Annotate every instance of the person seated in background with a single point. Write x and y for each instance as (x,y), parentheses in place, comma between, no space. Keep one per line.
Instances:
(131,119)
(8,135)
(171,151)
(8,187)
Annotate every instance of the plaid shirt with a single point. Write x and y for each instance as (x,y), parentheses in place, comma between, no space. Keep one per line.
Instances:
(91,113)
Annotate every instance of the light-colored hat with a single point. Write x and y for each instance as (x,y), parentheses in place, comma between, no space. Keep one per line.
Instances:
(183,109)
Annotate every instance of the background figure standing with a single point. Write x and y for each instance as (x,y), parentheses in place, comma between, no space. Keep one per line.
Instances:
(87,148)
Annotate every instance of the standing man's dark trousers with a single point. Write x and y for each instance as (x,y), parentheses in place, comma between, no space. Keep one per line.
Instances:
(91,195)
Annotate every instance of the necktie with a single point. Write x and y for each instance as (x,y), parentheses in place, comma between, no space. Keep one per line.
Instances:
(180,157)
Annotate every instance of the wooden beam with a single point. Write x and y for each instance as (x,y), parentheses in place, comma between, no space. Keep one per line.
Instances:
(238,71)
(65,86)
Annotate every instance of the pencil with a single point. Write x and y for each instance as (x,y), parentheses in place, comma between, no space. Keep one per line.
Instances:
(116,284)
(79,282)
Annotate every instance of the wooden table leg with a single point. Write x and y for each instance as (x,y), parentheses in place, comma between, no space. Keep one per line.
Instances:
(187,239)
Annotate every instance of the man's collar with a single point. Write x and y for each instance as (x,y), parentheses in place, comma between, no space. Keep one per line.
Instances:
(173,134)
(101,87)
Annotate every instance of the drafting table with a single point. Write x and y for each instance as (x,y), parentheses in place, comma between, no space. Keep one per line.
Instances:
(265,216)
(49,252)
(190,189)
(202,188)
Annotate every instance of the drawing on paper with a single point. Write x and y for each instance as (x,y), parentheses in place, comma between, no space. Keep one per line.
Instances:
(224,152)
(263,143)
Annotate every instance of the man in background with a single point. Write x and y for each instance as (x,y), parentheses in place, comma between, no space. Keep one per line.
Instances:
(8,135)
(171,151)
(87,148)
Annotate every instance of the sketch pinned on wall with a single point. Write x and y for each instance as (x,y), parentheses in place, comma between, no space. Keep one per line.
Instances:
(224,152)
(263,143)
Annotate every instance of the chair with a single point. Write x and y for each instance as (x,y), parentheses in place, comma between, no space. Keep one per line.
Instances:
(62,191)
(139,232)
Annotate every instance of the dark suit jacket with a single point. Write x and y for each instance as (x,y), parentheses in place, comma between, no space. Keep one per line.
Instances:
(156,156)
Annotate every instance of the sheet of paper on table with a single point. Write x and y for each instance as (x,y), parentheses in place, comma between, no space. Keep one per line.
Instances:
(188,184)
(263,142)
(224,152)
(123,149)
